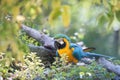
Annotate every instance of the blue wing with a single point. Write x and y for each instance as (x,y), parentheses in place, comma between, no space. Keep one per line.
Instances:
(78,52)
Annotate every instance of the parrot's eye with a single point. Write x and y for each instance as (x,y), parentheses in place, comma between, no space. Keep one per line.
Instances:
(59,44)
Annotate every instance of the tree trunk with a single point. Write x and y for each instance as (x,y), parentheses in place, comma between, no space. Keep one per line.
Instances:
(116,42)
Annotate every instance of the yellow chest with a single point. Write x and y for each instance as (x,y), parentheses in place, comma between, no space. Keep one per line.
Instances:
(68,52)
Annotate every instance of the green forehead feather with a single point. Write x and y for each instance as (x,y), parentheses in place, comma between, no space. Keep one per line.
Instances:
(62,36)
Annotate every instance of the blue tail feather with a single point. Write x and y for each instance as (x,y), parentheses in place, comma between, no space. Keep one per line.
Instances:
(91,55)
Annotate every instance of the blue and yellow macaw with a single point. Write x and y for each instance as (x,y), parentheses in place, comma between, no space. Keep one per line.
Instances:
(73,51)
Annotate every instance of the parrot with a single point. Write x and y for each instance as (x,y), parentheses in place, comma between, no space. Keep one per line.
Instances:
(73,51)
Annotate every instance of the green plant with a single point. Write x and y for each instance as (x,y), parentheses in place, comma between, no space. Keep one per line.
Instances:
(60,70)
(4,64)
(31,68)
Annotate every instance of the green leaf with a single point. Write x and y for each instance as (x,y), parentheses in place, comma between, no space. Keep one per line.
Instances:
(66,15)
(54,15)
(56,4)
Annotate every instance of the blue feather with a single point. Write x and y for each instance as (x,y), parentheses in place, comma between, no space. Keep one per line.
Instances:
(62,36)
(78,53)
(91,55)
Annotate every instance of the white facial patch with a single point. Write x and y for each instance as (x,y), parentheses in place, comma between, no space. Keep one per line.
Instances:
(61,42)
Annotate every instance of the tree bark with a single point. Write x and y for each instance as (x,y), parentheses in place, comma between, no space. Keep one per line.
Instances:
(47,41)
(109,66)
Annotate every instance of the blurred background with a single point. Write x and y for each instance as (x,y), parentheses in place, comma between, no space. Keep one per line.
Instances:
(95,22)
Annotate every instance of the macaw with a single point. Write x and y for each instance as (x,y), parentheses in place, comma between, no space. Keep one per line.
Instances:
(73,51)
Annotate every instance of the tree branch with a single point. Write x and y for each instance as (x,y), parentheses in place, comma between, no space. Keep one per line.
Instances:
(47,41)
(47,51)
(109,66)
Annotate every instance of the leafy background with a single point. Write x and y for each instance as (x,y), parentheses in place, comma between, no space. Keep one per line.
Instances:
(95,22)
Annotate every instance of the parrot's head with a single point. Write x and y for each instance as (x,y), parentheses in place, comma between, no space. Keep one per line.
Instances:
(61,41)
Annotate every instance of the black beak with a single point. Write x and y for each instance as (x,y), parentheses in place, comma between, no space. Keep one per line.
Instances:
(56,44)
(59,44)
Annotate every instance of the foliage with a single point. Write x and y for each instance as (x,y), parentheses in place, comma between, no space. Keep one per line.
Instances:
(27,12)
(91,21)
(80,17)
(29,69)
(27,39)
(60,70)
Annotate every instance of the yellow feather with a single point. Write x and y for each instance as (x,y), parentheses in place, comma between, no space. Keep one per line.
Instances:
(68,52)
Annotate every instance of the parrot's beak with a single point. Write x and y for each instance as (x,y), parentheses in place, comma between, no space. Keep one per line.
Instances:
(58,43)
